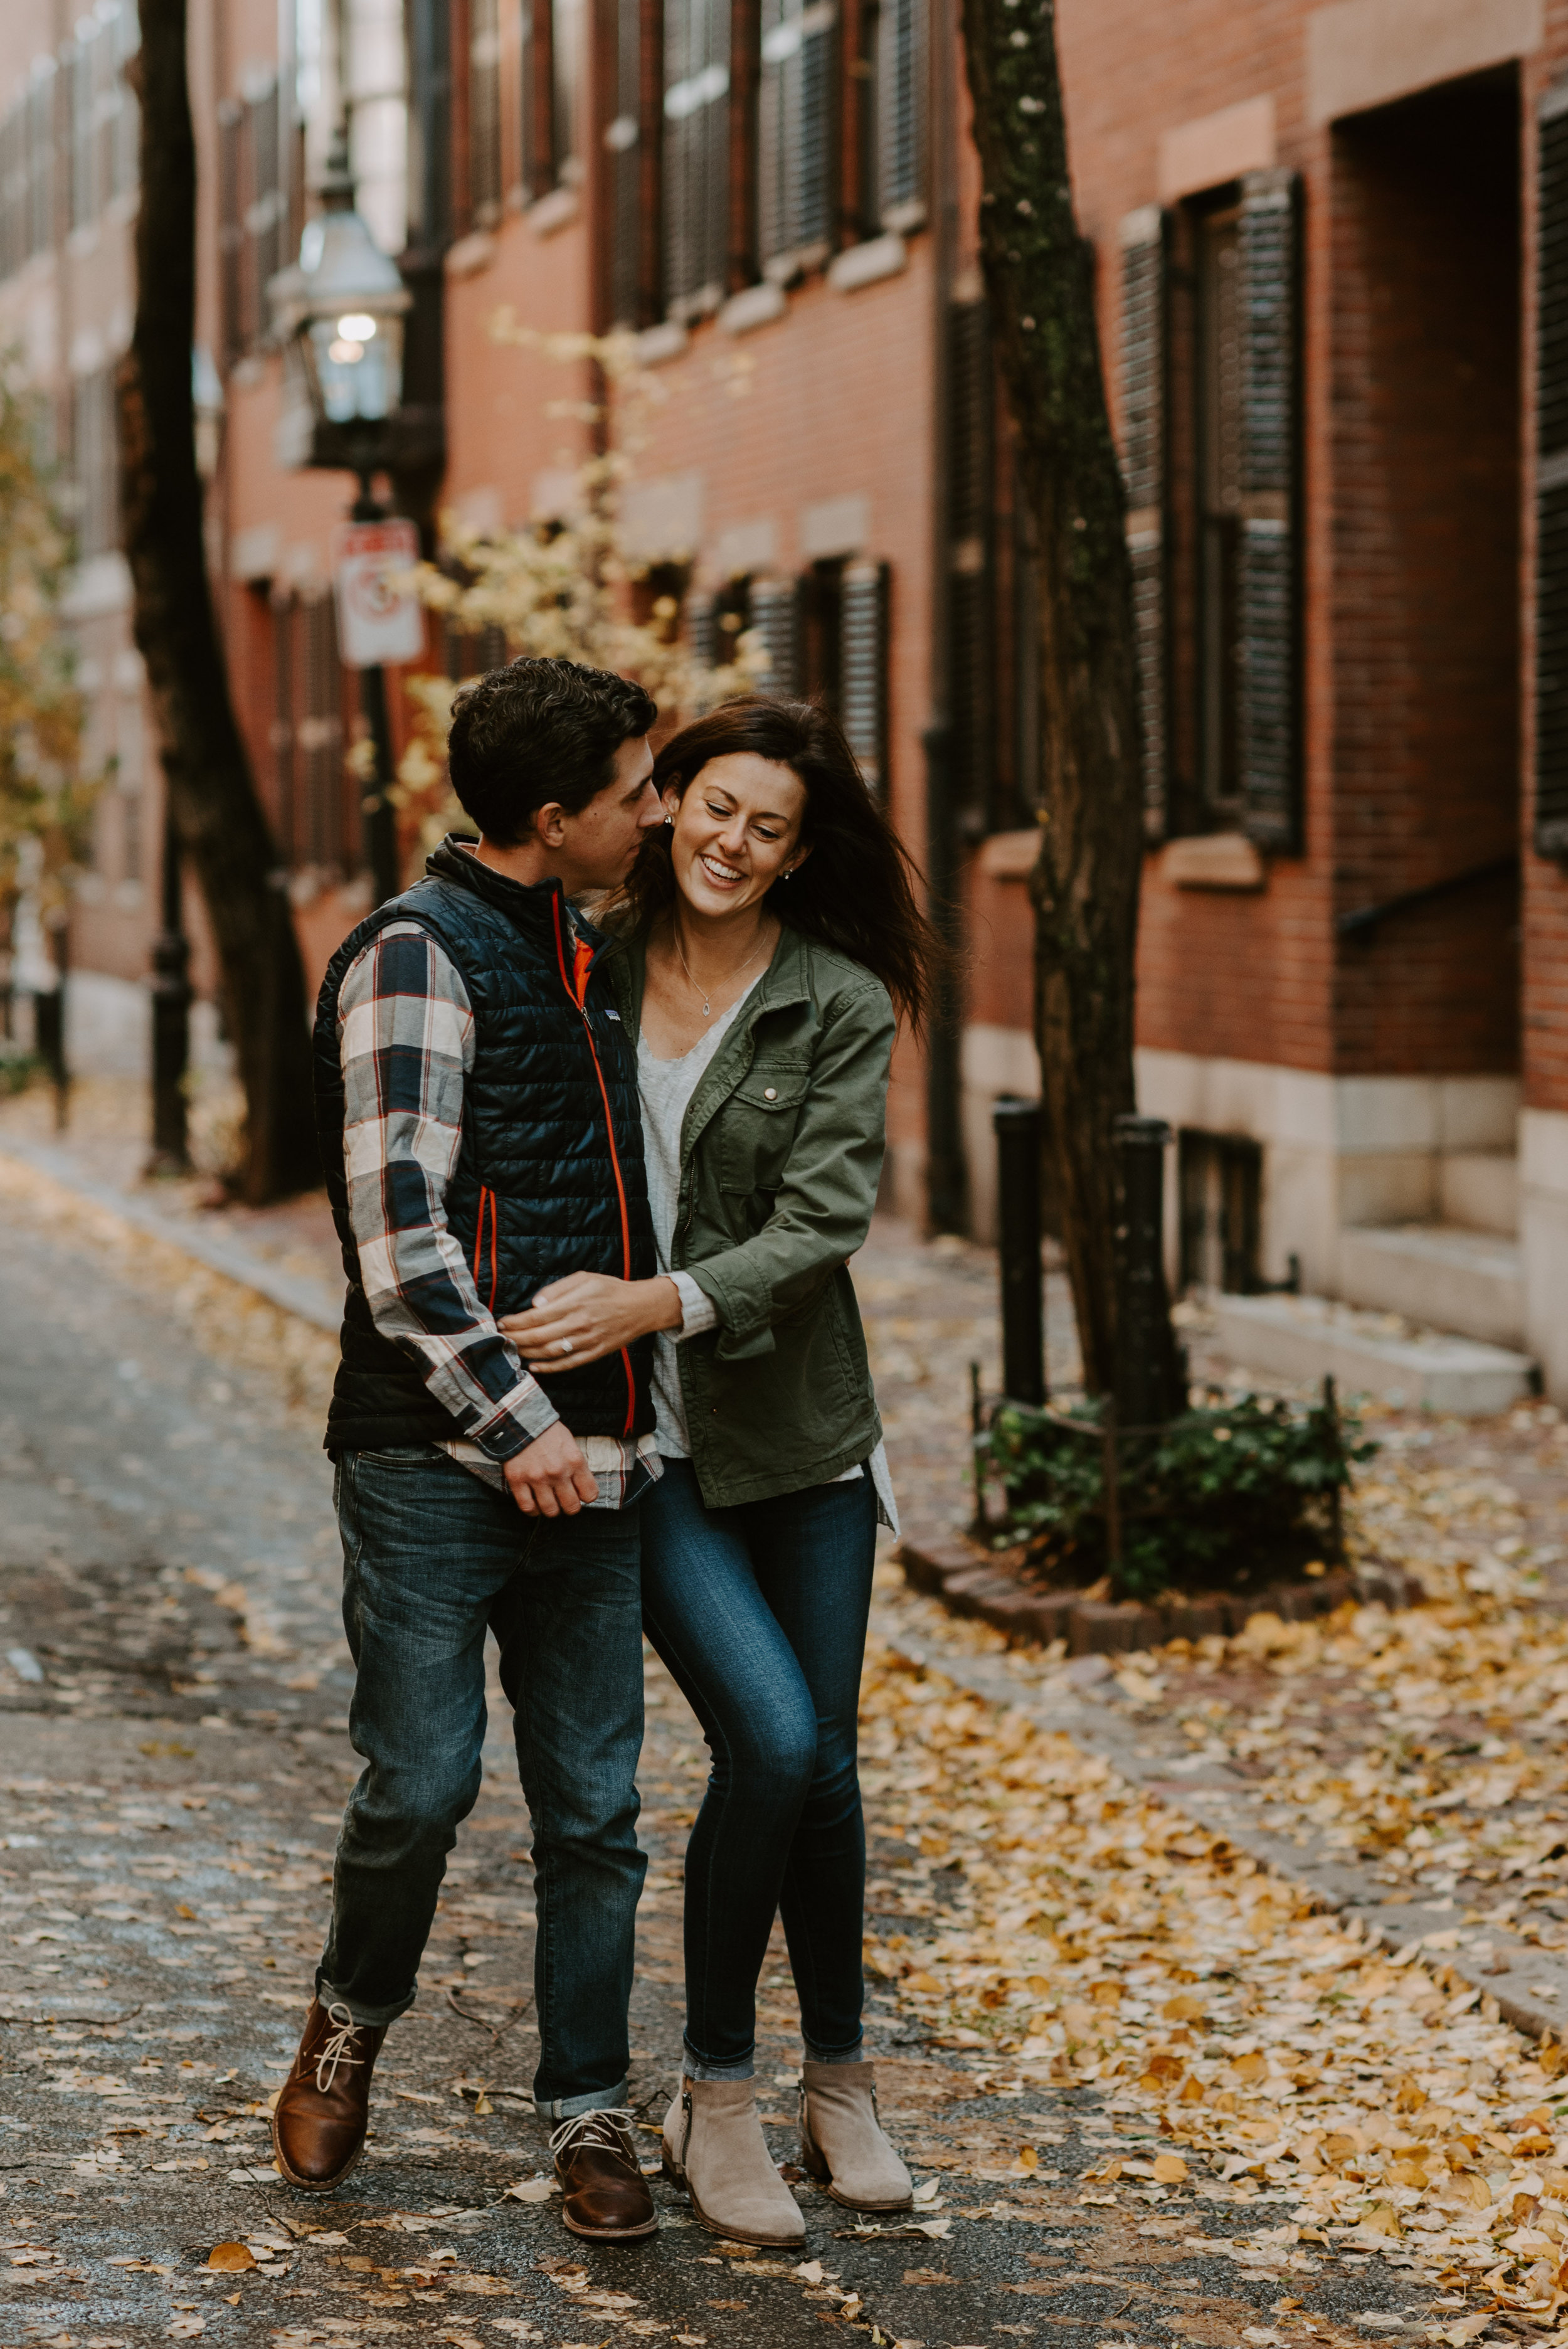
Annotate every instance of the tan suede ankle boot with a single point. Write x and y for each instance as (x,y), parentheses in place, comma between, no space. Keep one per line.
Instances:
(713,2148)
(841,2141)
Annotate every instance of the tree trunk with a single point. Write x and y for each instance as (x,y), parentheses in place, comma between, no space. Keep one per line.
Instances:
(1039,277)
(211,794)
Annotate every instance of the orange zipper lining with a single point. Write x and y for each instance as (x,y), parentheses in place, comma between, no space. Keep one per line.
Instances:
(480,1243)
(577,987)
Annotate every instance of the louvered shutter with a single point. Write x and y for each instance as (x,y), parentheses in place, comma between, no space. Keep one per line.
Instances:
(1268,622)
(622,136)
(1552,484)
(285,812)
(696,153)
(231,234)
(538,97)
(702,626)
(901,110)
(774,613)
(1144,419)
(795,127)
(264,212)
(863,667)
(972,584)
(484,113)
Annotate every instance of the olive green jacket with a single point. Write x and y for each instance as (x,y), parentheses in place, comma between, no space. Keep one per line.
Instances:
(781,1150)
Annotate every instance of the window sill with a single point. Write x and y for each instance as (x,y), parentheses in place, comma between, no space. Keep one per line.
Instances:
(549,214)
(1224,861)
(868,264)
(1009,855)
(758,306)
(655,345)
(472,253)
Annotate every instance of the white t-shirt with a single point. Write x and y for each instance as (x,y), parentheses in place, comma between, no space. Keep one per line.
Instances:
(665,1088)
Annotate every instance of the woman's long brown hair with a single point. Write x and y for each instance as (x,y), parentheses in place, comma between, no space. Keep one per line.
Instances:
(855,892)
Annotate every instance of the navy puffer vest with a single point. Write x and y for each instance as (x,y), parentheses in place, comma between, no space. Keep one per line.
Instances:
(549,1178)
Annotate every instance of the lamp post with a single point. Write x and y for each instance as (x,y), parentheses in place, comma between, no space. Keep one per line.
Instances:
(343,306)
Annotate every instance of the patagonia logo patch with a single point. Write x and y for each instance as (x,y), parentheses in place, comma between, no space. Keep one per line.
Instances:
(611,1015)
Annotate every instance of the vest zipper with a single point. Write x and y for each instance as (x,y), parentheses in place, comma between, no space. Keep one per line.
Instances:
(577,991)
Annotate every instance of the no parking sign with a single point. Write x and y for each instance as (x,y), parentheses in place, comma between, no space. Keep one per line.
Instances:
(376,623)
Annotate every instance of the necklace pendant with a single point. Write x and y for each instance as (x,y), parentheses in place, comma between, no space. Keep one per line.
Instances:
(706,1009)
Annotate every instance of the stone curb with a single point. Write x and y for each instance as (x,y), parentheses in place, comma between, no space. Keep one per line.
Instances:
(301,1297)
(1529,1985)
(954,1570)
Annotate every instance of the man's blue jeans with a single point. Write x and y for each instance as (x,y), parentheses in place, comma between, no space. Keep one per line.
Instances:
(432,1560)
(761,1614)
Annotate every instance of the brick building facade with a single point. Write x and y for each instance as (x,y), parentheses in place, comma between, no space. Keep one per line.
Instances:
(1331,247)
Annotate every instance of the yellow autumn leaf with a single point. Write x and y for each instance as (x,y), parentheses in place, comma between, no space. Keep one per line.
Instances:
(1169,2170)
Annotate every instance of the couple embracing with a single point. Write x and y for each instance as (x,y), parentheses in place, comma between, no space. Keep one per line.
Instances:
(597,1181)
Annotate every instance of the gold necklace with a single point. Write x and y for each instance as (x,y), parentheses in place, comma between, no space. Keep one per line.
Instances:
(707,1006)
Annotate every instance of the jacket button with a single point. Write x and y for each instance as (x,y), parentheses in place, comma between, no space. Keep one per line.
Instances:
(769,1093)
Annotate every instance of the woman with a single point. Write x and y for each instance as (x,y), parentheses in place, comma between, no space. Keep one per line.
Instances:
(769,932)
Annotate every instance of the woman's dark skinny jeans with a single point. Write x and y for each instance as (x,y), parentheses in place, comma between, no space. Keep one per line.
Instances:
(761,1614)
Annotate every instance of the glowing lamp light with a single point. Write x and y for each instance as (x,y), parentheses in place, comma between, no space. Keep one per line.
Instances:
(343,306)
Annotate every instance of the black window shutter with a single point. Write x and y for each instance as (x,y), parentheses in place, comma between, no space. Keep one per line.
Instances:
(1268,584)
(484,113)
(1145,412)
(972,586)
(774,613)
(863,667)
(1551,832)
(696,153)
(795,127)
(901,110)
(622,139)
(231,235)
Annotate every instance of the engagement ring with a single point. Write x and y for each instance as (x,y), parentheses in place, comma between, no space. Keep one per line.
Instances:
(565,1344)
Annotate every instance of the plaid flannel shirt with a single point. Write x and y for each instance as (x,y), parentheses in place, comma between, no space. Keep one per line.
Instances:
(406,1039)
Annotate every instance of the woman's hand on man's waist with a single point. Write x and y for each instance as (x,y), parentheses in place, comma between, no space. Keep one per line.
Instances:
(588,1315)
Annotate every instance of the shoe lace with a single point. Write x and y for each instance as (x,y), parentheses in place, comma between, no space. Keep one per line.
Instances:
(608,2126)
(334,2047)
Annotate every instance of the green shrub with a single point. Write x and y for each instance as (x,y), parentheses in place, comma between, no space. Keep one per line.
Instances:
(1225,1492)
(18,1068)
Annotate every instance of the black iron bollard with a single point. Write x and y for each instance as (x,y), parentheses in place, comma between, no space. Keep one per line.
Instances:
(1148,1372)
(1017,1124)
(379,814)
(50,1033)
(171,994)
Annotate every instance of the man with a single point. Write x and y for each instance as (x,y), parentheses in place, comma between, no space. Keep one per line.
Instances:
(477,1100)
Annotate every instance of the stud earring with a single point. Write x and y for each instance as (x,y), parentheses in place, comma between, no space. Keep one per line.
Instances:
(670,821)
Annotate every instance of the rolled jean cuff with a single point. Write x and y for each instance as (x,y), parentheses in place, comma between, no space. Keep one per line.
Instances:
(592,2100)
(855,2055)
(369,2018)
(697,2067)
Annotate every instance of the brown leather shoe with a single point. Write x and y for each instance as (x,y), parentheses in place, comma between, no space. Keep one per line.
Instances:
(605,2194)
(319,2120)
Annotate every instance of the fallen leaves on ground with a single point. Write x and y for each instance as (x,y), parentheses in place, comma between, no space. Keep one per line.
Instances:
(1076,1929)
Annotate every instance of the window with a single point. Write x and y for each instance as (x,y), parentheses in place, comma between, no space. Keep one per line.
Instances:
(696,154)
(95,462)
(795,133)
(901,112)
(41,103)
(317,800)
(484,114)
(254,216)
(83,181)
(631,303)
(1210,401)
(1221,1180)
(1218,438)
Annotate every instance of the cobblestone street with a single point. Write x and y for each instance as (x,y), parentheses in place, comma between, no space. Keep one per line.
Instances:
(173,1751)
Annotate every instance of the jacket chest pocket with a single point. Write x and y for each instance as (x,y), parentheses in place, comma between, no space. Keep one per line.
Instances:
(756,1125)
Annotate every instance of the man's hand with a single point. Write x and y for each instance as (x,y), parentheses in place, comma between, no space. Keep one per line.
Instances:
(549,1476)
(589,1315)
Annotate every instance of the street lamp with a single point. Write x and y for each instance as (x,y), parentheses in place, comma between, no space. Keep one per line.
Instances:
(341,307)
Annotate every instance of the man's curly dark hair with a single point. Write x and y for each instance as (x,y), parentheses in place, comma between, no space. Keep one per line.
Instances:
(537,731)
